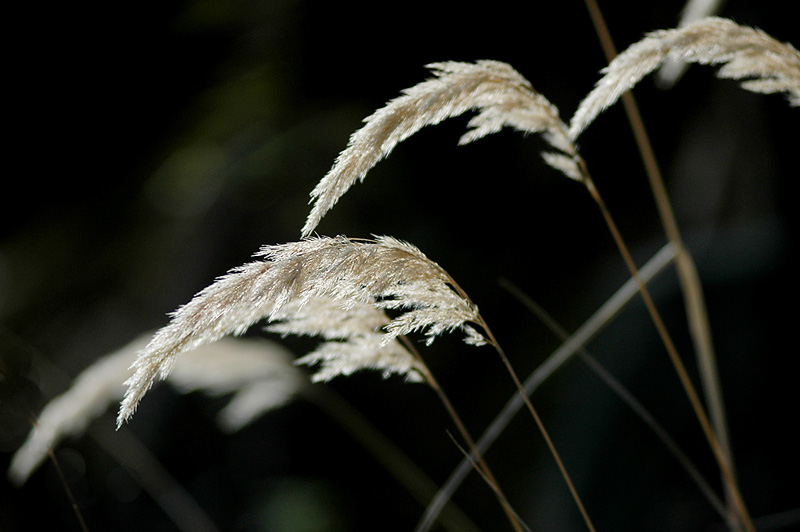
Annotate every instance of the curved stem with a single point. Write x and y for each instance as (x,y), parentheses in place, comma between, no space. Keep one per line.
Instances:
(462,429)
(683,376)
(601,318)
(493,341)
(539,424)
(697,316)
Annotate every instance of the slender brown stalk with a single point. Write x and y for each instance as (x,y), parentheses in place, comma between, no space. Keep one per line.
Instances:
(686,382)
(680,369)
(623,393)
(73,502)
(462,429)
(488,481)
(550,445)
(493,341)
(601,318)
(691,287)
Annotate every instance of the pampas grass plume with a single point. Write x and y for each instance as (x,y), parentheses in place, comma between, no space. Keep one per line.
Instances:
(766,64)
(501,95)
(385,273)
(258,373)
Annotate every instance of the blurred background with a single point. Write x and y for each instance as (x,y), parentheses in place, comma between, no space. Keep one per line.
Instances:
(159,144)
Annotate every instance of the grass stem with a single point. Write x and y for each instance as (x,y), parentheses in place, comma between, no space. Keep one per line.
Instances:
(462,429)
(683,375)
(602,317)
(697,315)
(70,496)
(625,396)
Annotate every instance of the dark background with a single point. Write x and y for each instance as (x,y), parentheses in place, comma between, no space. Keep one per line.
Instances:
(153,146)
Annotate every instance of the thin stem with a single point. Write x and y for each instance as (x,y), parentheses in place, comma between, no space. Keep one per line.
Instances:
(697,315)
(493,341)
(384,450)
(462,429)
(488,481)
(539,424)
(624,394)
(602,317)
(73,502)
(683,375)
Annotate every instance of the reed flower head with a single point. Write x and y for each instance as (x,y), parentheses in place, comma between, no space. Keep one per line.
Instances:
(257,373)
(354,339)
(767,65)
(502,97)
(321,286)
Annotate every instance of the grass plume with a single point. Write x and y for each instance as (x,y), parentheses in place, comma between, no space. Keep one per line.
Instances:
(365,298)
(501,95)
(385,273)
(765,64)
(258,374)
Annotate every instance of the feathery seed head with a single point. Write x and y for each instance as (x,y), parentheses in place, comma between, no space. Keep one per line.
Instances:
(745,52)
(337,288)
(257,373)
(499,93)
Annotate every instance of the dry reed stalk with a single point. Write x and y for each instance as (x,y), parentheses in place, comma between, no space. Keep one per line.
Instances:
(694,301)
(585,333)
(504,98)
(324,286)
(765,64)
(748,53)
(434,100)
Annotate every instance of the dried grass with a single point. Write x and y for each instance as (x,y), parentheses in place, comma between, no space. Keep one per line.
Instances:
(362,297)
(339,275)
(767,65)
(257,373)
(501,95)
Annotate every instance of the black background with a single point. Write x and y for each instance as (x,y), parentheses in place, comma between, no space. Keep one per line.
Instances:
(153,146)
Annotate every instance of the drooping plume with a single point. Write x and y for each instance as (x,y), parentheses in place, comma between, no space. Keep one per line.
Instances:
(766,65)
(383,273)
(501,95)
(257,373)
